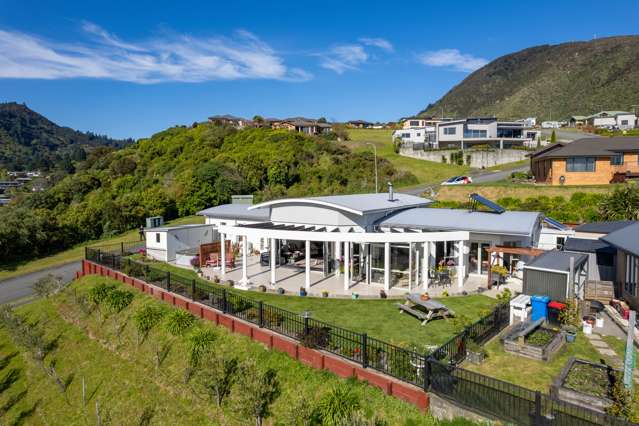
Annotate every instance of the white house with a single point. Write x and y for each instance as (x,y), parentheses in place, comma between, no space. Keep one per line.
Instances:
(619,119)
(415,135)
(553,234)
(466,132)
(550,124)
(384,241)
(165,243)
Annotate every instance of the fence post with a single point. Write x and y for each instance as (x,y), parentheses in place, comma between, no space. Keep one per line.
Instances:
(224,300)
(99,259)
(537,419)
(364,350)
(86,252)
(260,314)
(306,327)
(168,281)
(426,373)
(122,248)
(193,289)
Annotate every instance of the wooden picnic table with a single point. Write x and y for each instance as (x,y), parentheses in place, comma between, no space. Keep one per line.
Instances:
(424,310)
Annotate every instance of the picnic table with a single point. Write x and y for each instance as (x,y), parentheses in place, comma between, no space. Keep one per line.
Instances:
(424,310)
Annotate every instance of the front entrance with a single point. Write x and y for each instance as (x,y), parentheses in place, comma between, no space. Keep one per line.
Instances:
(479,258)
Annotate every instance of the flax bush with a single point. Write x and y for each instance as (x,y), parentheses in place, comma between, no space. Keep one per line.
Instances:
(178,322)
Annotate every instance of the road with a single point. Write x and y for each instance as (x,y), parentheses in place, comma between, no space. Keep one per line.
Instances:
(17,288)
(563,135)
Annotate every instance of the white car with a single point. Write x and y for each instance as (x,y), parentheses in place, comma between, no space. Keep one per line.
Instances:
(458,180)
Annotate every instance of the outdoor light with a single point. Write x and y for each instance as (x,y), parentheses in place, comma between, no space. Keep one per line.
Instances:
(307,314)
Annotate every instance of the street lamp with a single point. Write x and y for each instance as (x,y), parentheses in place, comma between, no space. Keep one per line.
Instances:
(375,153)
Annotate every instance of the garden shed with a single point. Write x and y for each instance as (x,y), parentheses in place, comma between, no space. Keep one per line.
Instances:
(164,243)
(557,274)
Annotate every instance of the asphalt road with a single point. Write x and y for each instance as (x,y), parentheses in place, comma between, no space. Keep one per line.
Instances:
(17,288)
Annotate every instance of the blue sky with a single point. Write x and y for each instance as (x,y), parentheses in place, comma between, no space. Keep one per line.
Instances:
(131,68)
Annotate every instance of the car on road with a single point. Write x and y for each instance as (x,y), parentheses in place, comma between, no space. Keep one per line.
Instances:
(458,180)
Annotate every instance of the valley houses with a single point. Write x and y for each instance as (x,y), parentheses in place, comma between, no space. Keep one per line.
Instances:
(589,161)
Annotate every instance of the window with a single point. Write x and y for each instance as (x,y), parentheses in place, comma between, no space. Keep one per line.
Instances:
(624,122)
(157,237)
(560,242)
(580,164)
(450,130)
(474,133)
(413,123)
(418,134)
(617,159)
(630,284)
(405,135)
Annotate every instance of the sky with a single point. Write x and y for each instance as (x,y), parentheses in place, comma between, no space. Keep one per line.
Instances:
(133,68)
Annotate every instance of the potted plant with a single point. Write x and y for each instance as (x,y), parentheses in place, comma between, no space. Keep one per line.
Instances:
(280,290)
(216,279)
(230,283)
(382,294)
(262,288)
(303,292)
(502,273)
(475,353)
(354,296)
(424,296)
(569,318)
(571,333)
(325,293)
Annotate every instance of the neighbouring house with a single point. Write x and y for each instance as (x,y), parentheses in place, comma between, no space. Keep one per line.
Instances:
(613,119)
(307,126)
(231,120)
(419,122)
(626,241)
(167,243)
(553,234)
(577,120)
(368,242)
(529,122)
(550,124)
(588,161)
(601,257)
(559,275)
(360,124)
(418,137)
(469,132)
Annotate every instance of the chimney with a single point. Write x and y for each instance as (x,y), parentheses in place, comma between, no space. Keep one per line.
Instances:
(391,195)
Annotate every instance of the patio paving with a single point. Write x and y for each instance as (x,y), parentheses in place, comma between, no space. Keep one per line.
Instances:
(291,278)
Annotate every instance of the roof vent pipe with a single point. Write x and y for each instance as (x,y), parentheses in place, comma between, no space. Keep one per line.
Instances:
(391,195)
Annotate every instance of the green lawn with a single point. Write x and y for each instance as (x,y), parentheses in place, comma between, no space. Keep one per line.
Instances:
(617,345)
(529,373)
(380,318)
(14,269)
(122,376)
(426,171)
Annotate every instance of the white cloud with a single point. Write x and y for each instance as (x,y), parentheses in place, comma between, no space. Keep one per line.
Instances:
(180,58)
(377,42)
(451,58)
(344,57)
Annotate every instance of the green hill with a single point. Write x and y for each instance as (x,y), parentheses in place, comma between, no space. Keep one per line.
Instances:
(30,141)
(550,81)
(176,173)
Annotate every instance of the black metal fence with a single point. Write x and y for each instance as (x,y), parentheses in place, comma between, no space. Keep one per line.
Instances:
(437,372)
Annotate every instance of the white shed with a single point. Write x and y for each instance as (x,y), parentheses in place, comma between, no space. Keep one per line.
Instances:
(164,242)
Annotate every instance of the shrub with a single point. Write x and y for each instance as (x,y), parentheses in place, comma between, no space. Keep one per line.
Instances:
(46,286)
(178,321)
(504,296)
(199,343)
(145,318)
(258,389)
(317,337)
(116,300)
(218,376)
(337,406)
(98,293)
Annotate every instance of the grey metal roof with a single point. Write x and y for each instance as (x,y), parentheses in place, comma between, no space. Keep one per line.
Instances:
(177,227)
(236,211)
(509,222)
(557,260)
(586,245)
(356,203)
(603,227)
(627,238)
(597,147)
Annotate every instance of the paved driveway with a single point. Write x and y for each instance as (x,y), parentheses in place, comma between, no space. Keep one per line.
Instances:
(17,288)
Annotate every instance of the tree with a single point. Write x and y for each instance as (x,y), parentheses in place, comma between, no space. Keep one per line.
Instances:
(258,389)
(217,376)
(259,120)
(48,285)
(622,204)
(553,137)
(198,343)
(321,120)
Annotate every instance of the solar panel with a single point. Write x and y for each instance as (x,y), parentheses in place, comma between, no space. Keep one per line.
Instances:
(487,203)
(555,224)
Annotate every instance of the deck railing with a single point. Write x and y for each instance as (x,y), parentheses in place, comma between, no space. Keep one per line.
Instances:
(437,372)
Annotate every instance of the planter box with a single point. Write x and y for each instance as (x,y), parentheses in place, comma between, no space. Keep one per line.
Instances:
(562,393)
(540,353)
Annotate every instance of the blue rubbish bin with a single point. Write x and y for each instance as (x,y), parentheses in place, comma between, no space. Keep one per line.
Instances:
(539,307)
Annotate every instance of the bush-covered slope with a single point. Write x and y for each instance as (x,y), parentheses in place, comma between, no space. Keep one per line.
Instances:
(178,172)
(30,141)
(547,81)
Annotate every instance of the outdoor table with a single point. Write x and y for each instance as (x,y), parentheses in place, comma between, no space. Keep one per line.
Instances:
(424,310)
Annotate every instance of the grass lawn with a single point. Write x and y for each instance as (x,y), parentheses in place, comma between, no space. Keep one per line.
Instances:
(509,166)
(122,375)
(380,318)
(14,269)
(617,345)
(529,373)
(497,190)
(425,171)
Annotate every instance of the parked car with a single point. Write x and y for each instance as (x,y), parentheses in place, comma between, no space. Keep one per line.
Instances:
(458,180)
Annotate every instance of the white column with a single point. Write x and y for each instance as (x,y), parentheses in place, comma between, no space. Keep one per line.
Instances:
(410,266)
(347,274)
(273,258)
(338,254)
(387,267)
(223,253)
(307,264)
(244,282)
(426,265)
(460,264)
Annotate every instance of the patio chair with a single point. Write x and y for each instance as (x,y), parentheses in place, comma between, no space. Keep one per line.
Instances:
(213,260)
(444,279)
(230,260)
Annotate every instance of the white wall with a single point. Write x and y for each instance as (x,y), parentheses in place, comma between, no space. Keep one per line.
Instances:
(253,242)
(631,118)
(177,239)
(548,237)
(416,135)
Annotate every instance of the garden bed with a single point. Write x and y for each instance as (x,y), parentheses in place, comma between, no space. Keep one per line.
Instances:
(585,383)
(538,342)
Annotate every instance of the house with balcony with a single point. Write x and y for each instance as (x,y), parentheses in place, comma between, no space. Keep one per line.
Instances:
(589,161)
(468,132)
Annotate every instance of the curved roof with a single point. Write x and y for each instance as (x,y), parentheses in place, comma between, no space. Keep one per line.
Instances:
(358,204)
(509,222)
(235,211)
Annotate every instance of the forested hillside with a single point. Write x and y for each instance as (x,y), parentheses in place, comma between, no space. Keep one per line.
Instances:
(178,172)
(29,141)
(550,82)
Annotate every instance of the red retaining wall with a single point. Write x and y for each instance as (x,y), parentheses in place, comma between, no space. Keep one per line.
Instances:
(310,357)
